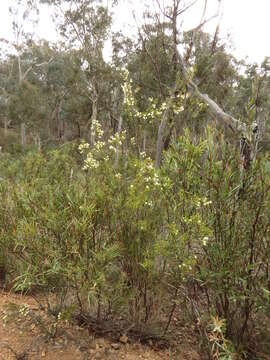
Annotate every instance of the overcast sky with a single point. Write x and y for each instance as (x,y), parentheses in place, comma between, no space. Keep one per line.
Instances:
(246,20)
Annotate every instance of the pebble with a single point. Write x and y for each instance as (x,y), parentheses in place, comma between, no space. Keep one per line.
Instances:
(115,346)
(123,339)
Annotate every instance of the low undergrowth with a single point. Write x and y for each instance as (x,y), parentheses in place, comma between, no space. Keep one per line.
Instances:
(114,238)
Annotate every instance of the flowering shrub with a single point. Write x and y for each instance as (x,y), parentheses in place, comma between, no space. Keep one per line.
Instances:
(132,239)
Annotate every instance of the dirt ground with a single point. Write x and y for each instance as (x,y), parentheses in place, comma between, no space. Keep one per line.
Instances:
(23,340)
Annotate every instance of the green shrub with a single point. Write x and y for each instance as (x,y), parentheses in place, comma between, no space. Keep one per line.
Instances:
(124,237)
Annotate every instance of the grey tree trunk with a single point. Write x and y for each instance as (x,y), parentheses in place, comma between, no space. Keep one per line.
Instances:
(94,117)
(163,127)
(60,121)
(160,139)
(37,141)
(5,126)
(23,135)
(120,122)
(144,140)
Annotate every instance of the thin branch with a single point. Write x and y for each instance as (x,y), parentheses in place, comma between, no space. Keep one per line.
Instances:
(187,7)
(45,62)
(204,10)
(233,123)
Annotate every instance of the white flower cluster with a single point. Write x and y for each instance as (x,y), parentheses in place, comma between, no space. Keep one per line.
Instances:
(163,106)
(185,267)
(143,154)
(129,99)
(95,156)
(128,94)
(178,109)
(149,173)
(112,148)
(99,145)
(156,179)
(115,141)
(125,74)
(83,146)
(205,240)
(96,129)
(24,310)
(149,203)
(203,202)
(153,112)
(90,162)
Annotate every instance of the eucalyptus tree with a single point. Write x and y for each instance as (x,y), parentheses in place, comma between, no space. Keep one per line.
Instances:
(23,86)
(22,12)
(252,93)
(174,13)
(163,46)
(6,67)
(84,25)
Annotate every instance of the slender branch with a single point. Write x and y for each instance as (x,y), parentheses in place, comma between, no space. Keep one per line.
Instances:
(188,7)
(233,123)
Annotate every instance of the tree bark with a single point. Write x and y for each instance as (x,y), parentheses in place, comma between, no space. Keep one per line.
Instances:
(93,117)
(37,141)
(144,140)
(118,147)
(60,121)
(162,127)
(23,135)
(5,126)
(160,139)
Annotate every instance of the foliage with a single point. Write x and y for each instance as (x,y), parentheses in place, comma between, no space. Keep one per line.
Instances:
(85,215)
(130,237)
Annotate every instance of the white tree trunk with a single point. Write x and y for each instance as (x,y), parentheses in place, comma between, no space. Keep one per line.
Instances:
(60,121)
(94,117)
(144,140)
(5,126)
(23,135)
(120,122)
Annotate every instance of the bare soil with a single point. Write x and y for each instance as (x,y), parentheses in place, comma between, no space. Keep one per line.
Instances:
(22,339)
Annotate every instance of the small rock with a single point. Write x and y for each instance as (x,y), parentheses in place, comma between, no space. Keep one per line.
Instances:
(99,356)
(92,345)
(101,342)
(123,339)
(115,346)
(83,348)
